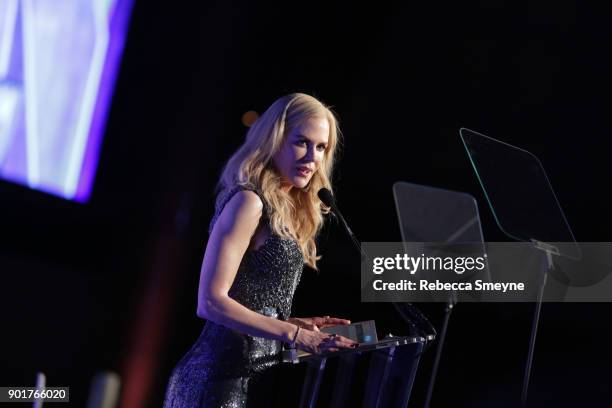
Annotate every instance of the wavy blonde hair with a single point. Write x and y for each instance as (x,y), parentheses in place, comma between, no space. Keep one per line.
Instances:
(297,214)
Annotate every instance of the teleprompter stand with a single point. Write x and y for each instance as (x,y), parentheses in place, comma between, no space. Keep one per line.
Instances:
(525,208)
(429,214)
(548,266)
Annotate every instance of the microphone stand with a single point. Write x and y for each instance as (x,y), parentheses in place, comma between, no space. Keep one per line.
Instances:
(422,326)
(417,322)
(338,214)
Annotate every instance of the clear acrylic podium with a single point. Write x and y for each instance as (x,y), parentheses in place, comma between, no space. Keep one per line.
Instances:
(391,366)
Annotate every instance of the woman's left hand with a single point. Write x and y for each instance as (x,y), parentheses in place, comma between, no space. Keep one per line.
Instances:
(316,323)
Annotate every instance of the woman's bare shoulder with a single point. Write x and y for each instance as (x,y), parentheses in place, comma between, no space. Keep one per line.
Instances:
(247,201)
(243,206)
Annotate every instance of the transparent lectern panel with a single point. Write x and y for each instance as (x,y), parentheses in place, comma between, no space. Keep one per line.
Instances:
(429,214)
(519,193)
(441,220)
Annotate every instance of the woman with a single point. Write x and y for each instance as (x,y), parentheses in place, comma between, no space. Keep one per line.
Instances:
(266,219)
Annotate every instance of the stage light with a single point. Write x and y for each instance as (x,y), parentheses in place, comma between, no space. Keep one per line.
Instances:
(248,118)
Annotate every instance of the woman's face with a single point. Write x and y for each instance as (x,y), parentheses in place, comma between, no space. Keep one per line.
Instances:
(301,155)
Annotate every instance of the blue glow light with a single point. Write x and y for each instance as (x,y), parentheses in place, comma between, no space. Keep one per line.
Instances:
(58,63)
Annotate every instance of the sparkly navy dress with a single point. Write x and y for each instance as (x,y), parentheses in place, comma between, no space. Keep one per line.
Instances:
(225,368)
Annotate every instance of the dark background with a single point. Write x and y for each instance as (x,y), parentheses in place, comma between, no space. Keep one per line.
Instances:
(112,284)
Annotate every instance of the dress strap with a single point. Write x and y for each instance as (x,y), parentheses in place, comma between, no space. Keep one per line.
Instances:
(227,194)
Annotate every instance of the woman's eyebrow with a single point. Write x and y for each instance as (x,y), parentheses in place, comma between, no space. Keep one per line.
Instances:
(300,136)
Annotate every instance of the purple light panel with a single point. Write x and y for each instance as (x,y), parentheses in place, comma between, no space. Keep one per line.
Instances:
(58,63)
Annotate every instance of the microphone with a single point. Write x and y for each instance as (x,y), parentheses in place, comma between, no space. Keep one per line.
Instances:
(326,197)
(413,316)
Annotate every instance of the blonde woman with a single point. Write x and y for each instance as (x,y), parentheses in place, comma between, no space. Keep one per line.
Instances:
(263,232)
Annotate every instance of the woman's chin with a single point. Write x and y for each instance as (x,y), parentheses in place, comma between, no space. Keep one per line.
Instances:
(300,182)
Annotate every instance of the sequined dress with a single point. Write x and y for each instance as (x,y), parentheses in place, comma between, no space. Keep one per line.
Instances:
(225,368)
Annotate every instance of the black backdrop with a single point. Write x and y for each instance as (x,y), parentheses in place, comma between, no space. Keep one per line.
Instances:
(112,283)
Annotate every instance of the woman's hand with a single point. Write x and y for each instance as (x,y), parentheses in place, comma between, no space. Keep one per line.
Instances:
(316,323)
(317,342)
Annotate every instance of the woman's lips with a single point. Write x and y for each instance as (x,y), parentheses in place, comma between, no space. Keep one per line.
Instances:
(303,171)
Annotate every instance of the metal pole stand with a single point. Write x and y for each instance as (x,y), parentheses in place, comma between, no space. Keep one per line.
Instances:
(548,266)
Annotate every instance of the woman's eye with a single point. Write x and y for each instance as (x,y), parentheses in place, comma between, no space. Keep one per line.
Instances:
(301,143)
(321,148)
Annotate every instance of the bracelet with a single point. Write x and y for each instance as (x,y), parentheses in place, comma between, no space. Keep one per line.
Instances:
(292,344)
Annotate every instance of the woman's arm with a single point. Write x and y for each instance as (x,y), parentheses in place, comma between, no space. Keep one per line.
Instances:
(316,323)
(228,242)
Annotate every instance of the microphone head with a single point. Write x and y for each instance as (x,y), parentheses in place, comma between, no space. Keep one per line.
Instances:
(326,197)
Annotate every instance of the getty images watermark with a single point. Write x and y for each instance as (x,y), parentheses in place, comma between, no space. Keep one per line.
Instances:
(486,272)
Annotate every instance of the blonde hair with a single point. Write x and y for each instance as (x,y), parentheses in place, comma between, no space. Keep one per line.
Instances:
(297,214)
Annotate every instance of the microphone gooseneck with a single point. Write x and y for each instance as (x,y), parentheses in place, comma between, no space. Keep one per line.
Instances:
(328,199)
(413,316)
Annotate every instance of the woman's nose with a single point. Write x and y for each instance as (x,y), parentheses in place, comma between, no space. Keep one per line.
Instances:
(309,154)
